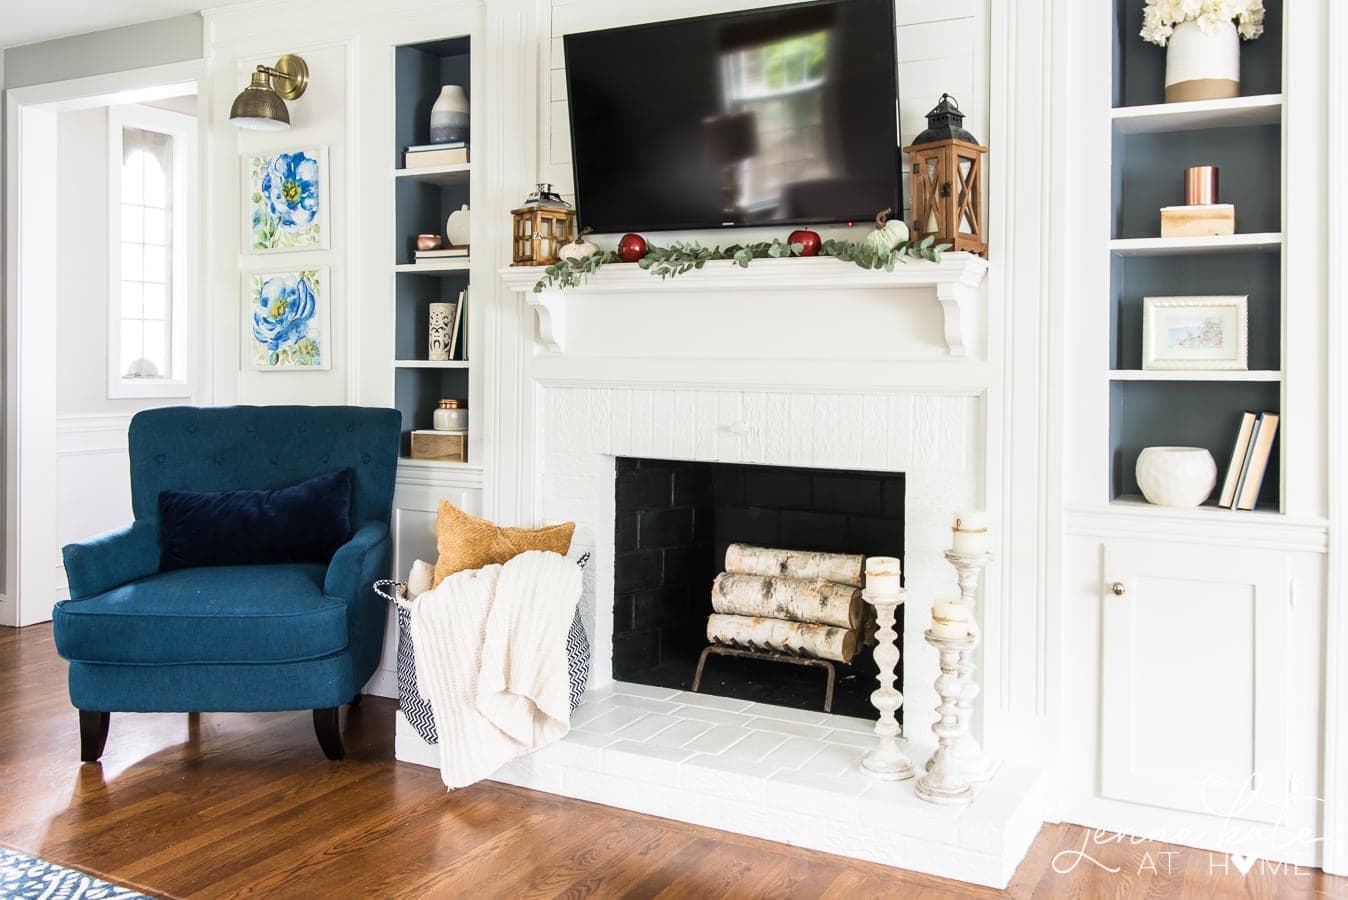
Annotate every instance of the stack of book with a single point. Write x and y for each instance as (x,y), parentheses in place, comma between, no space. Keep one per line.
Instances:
(458,329)
(423,156)
(443,253)
(1249,460)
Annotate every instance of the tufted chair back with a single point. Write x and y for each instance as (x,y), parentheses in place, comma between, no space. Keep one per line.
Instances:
(230,448)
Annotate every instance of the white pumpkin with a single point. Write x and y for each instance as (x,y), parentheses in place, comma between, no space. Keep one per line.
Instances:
(579,248)
(888,233)
(457,227)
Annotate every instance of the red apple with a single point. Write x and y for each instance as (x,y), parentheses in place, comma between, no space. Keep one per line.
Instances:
(631,248)
(809,241)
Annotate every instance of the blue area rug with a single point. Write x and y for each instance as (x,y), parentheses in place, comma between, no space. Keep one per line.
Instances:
(23,877)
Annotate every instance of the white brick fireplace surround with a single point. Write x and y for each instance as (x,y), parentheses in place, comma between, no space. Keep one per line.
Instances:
(902,404)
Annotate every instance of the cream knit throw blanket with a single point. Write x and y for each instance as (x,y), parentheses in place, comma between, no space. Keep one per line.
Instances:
(491,659)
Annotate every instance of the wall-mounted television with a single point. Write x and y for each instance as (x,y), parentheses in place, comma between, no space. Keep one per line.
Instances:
(784,115)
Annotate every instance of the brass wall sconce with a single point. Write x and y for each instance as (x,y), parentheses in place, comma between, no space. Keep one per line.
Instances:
(261,105)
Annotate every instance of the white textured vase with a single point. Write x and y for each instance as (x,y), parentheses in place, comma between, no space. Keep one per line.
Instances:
(449,115)
(438,335)
(1202,65)
(1176,476)
(456,227)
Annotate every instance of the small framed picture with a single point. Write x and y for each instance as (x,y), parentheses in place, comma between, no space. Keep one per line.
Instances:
(1195,333)
(285,200)
(285,320)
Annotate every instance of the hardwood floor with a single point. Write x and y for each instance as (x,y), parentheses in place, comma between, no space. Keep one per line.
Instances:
(236,805)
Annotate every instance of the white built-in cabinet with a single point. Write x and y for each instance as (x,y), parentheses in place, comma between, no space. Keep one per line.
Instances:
(1193,652)
(1194,674)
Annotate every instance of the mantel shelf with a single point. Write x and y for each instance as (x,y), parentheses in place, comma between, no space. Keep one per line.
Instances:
(955,281)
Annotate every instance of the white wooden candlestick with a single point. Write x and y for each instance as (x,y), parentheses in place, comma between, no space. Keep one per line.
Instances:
(968,755)
(886,761)
(944,781)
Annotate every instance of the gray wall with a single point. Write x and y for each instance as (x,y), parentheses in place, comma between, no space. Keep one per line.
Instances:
(101,52)
(115,50)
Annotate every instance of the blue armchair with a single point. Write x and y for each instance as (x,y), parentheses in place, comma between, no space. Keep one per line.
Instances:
(232,638)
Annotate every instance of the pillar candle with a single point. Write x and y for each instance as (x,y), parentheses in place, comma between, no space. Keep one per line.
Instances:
(969,537)
(884,575)
(950,619)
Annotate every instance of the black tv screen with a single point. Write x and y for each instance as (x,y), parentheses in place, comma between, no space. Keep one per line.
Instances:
(785,115)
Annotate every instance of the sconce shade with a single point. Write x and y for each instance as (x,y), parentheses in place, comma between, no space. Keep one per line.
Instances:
(261,106)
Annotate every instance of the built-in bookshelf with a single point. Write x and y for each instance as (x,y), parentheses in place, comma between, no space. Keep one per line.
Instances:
(1152,143)
(423,199)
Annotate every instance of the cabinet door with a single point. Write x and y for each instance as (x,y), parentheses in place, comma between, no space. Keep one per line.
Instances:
(1194,678)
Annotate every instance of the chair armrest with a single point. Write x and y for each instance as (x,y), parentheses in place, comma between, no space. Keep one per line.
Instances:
(110,560)
(358,563)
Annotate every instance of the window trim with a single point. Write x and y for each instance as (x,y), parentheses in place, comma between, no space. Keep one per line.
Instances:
(183,269)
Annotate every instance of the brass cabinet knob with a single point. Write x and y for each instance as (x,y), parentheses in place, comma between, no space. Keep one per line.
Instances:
(1118,589)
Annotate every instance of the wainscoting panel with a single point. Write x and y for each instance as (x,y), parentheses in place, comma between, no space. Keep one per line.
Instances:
(93,481)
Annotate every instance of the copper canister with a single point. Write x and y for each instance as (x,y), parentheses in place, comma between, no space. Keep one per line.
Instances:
(1200,185)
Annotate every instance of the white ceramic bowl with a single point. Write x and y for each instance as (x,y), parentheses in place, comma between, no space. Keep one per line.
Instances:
(1176,476)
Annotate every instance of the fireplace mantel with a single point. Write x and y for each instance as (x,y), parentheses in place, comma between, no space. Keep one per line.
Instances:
(954,281)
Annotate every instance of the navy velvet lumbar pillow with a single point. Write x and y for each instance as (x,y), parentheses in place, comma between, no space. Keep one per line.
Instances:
(306,522)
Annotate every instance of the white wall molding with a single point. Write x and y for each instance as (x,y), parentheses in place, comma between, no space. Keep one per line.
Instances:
(1336,616)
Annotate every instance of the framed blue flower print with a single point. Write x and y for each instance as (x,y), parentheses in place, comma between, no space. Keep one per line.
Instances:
(285,320)
(286,200)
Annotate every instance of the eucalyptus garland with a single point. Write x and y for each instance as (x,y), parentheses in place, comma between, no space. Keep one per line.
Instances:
(684,256)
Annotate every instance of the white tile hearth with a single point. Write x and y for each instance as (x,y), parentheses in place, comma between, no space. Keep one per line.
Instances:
(779,774)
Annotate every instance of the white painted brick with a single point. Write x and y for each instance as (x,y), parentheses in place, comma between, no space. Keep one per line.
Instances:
(792,729)
(681,734)
(785,714)
(892,805)
(834,760)
(758,821)
(792,754)
(612,720)
(851,739)
(755,747)
(645,763)
(871,844)
(645,704)
(711,701)
(650,692)
(730,779)
(715,716)
(645,728)
(950,862)
(851,725)
(719,738)
(817,795)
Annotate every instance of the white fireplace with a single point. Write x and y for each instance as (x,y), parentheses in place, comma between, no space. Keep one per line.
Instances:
(871,381)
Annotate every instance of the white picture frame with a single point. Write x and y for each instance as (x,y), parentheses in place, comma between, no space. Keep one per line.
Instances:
(1208,333)
(287,320)
(286,200)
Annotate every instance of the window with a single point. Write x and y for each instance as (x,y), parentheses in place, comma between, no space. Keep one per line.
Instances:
(151,192)
(782,83)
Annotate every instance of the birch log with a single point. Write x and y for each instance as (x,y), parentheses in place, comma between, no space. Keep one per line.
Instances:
(797,638)
(819,602)
(840,568)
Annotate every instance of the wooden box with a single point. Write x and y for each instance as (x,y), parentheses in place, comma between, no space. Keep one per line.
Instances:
(441,446)
(1198,221)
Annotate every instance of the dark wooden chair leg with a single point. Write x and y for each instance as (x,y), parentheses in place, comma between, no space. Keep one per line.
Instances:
(93,734)
(329,732)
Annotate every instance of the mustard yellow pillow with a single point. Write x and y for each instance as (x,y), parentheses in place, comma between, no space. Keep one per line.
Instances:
(467,542)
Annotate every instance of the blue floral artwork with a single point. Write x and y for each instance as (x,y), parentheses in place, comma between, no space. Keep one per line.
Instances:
(286,200)
(285,321)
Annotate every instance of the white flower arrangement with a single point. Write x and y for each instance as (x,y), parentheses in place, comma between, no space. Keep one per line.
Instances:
(1161,16)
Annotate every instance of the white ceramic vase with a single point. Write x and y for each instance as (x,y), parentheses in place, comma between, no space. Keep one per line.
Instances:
(1176,476)
(1202,65)
(456,227)
(438,326)
(449,115)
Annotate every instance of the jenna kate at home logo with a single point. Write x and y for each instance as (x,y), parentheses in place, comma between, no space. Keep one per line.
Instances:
(1258,845)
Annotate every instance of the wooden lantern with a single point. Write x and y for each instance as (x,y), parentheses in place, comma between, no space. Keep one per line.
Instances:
(540,232)
(946,169)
